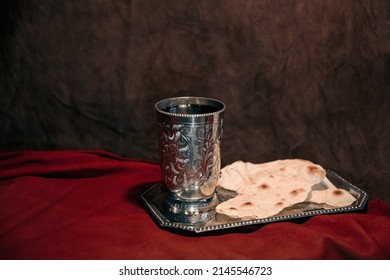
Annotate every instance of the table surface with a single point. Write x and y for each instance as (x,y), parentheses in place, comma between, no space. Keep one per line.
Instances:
(86,205)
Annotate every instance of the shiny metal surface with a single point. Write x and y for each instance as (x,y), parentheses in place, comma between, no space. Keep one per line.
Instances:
(155,197)
(190,130)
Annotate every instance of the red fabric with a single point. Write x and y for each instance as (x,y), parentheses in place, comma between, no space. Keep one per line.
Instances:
(85,205)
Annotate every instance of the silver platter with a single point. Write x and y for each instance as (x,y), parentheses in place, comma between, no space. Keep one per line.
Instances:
(155,197)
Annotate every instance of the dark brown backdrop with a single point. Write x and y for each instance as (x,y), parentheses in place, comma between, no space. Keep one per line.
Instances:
(307,79)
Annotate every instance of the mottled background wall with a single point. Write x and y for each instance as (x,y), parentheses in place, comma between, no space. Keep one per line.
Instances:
(307,79)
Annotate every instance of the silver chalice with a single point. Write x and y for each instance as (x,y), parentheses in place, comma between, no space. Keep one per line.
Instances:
(190,130)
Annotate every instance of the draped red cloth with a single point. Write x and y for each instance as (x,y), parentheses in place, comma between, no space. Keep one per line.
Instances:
(86,205)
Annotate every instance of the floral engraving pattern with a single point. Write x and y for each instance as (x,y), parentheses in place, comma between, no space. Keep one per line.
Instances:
(190,155)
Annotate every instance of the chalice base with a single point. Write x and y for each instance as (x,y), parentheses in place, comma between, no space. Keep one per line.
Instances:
(190,212)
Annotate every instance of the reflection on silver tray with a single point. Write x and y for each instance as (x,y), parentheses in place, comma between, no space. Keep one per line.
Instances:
(155,196)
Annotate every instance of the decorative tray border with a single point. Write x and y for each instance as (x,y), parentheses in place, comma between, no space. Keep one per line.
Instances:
(154,198)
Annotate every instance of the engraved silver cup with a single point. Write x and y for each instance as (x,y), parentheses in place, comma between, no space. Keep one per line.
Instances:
(190,130)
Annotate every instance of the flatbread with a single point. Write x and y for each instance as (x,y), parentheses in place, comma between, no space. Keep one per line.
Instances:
(240,174)
(234,176)
(265,189)
(331,195)
(251,206)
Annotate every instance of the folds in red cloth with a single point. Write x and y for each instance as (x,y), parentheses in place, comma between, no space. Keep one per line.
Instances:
(86,205)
